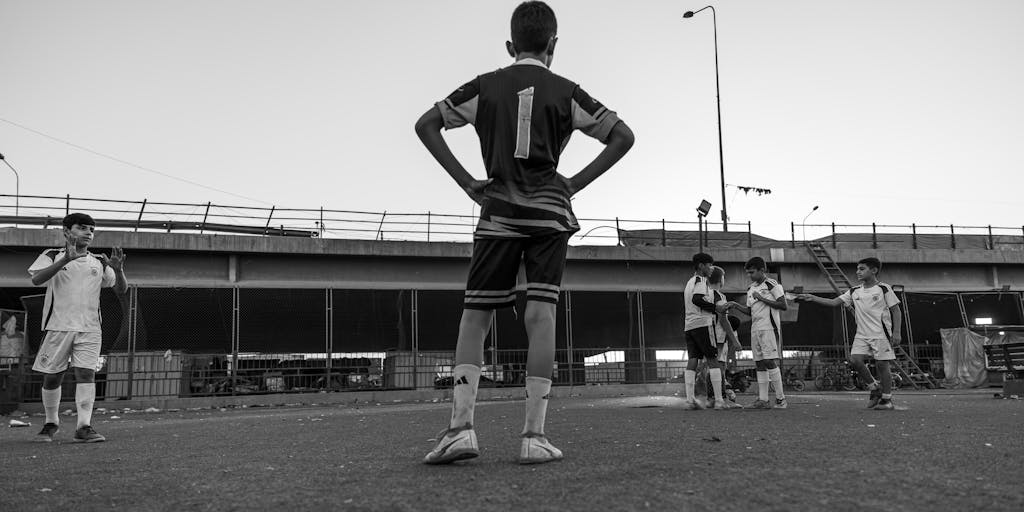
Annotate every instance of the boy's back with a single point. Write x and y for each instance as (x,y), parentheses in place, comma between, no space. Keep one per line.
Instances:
(524,115)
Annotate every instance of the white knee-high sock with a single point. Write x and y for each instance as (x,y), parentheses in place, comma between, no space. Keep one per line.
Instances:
(715,375)
(538,390)
(85,396)
(775,375)
(467,380)
(762,385)
(51,404)
(689,380)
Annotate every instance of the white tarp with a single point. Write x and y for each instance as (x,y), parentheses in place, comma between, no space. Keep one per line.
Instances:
(963,356)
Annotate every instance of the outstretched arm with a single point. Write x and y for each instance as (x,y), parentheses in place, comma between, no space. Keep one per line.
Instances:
(897,324)
(428,128)
(834,302)
(619,141)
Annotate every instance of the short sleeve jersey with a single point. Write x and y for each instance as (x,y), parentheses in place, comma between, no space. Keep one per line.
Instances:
(695,317)
(524,115)
(72,300)
(871,309)
(762,316)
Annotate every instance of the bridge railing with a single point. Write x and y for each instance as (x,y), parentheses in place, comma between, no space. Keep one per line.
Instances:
(909,236)
(208,217)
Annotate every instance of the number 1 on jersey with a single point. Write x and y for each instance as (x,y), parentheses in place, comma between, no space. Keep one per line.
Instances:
(523,124)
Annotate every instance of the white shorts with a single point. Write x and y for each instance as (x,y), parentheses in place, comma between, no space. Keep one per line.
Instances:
(81,349)
(879,348)
(764,344)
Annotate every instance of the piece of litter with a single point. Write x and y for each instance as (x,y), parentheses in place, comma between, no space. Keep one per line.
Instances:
(115,417)
(152,409)
(713,439)
(988,444)
(16,423)
(871,426)
(45,489)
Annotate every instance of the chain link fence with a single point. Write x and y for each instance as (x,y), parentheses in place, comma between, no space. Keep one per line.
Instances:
(191,342)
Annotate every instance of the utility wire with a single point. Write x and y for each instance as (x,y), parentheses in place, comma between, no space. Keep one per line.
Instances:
(130,164)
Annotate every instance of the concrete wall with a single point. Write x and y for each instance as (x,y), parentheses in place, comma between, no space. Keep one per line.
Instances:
(190,260)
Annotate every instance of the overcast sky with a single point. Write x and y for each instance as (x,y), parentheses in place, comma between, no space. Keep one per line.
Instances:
(889,112)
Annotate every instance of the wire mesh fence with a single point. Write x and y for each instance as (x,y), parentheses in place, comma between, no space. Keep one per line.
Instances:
(191,342)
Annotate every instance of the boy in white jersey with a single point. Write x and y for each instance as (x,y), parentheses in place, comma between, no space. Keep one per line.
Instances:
(71,319)
(879,320)
(701,343)
(765,299)
(725,336)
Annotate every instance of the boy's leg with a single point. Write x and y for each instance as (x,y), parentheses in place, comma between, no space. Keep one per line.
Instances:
(757,348)
(491,285)
(859,351)
(885,376)
(545,261)
(692,360)
(85,358)
(469,355)
(540,330)
(52,361)
(883,356)
(770,353)
(715,376)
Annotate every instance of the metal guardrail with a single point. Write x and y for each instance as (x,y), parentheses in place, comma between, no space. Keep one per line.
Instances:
(910,236)
(145,215)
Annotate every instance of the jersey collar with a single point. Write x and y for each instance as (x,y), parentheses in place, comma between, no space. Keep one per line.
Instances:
(529,62)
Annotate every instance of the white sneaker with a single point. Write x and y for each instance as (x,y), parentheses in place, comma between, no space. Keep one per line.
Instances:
(453,445)
(781,403)
(536,449)
(732,405)
(719,405)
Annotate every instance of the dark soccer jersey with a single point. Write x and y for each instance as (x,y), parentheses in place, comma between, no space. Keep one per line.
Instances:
(524,115)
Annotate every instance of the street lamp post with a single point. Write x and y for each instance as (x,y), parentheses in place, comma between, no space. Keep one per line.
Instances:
(718,100)
(804,222)
(17,184)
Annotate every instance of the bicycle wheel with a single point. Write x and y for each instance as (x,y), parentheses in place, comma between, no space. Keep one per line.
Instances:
(848,384)
(819,383)
(798,385)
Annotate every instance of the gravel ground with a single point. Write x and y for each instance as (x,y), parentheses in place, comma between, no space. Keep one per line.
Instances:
(826,452)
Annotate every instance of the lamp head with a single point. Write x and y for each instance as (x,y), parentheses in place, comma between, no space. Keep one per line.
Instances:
(814,209)
(688,14)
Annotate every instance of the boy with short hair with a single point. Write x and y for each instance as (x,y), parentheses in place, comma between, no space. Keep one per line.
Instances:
(765,299)
(725,337)
(523,115)
(701,340)
(879,320)
(71,319)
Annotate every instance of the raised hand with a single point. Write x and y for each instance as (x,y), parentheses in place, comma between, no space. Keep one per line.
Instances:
(115,260)
(71,252)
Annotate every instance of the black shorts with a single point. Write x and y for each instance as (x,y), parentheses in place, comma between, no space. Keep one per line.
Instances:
(701,343)
(495,266)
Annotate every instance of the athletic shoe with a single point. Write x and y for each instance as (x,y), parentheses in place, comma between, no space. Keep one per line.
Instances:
(453,444)
(692,405)
(781,403)
(86,434)
(719,406)
(874,397)
(536,449)
(732,405)
(885,404)
(46,434)
(761,404)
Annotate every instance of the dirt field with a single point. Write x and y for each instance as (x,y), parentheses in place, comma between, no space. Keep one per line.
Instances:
(826,452)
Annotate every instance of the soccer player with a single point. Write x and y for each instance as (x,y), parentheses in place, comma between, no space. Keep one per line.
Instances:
(725,337)
(700,315)
(879,320)
(765,299)
(523,115)
(71,318)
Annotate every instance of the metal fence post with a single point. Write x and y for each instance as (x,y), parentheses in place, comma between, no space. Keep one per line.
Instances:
(428,226)
(663,232)
(913,236)
(952,237)
(874,236)
(265,228)
(67,204)
(833,235)
(991,241)
(132,324)
(750,236)
(139,221)
(414,303)
(618,238)
(792,234)
(235,337)
(329,336)
(568,332)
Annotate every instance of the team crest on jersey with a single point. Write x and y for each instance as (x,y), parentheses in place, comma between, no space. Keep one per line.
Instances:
(95,272)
